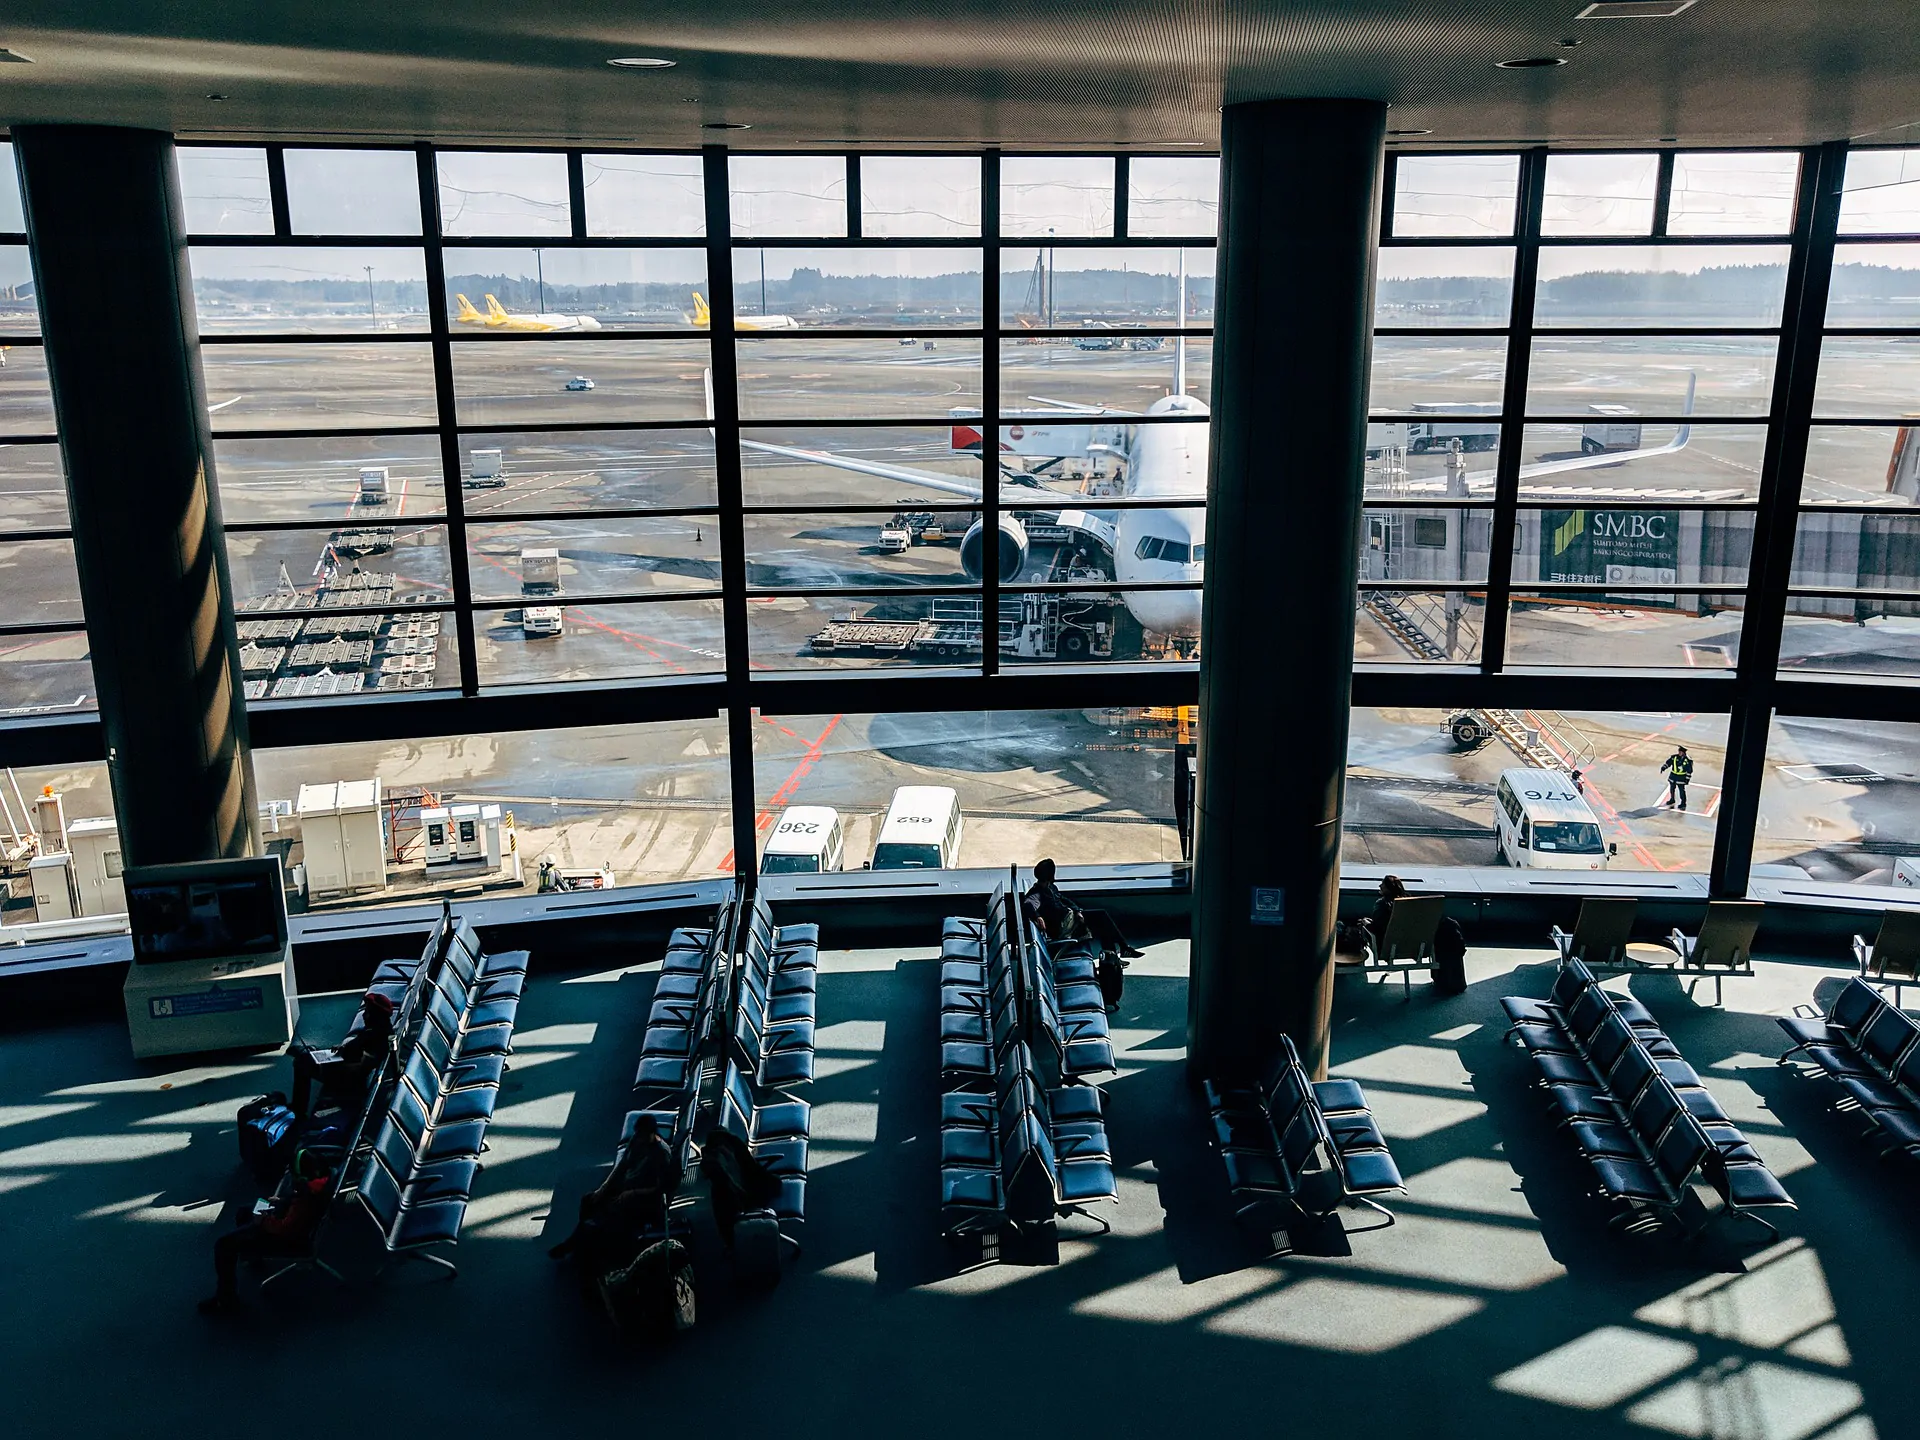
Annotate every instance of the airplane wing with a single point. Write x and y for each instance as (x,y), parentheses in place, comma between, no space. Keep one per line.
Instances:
(1606,457)
(929,479)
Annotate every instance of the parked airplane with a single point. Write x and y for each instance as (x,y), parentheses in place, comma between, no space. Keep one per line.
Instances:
(702,318)
(499,318)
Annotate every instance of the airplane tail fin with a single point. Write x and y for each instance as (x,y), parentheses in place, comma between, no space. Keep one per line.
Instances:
(496,314)
(467,315)
(702,317)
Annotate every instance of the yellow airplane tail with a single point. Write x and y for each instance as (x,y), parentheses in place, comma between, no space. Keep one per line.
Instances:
(496,314)
(467,314)
(702,316)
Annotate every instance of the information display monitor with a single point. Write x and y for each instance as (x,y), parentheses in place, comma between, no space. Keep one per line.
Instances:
(212,910)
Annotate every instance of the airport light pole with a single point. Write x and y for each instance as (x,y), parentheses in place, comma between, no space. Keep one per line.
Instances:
(373,313)
(1299,217)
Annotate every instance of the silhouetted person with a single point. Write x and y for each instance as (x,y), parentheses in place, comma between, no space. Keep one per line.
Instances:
(736,1182)
(286,1229)
(345,1069)
(1392,887)
(1058,918)
(631,1201)
(1679,771)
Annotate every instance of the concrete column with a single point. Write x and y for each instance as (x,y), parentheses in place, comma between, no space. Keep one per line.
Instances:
(116,305)
(1299,213)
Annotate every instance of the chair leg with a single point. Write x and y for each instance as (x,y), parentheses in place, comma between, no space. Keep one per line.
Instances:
(1376,1207)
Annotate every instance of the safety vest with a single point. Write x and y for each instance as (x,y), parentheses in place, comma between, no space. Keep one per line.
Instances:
(1682,767)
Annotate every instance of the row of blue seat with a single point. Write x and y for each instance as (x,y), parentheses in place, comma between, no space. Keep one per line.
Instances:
(1871,1049)
(1639,1114)
(1290,1144)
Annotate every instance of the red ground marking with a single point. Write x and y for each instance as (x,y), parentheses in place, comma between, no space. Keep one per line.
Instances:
(780,798)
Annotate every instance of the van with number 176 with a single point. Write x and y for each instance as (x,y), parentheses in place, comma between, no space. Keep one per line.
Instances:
(1541,821)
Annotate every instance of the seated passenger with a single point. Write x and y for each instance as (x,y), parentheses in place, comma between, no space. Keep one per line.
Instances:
(736,1182)
(344,1070)
(1058,918)
(631,1202)
(287,1228)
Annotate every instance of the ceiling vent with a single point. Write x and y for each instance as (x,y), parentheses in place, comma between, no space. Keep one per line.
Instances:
(1634,9)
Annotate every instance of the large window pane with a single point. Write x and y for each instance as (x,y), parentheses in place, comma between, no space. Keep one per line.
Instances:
(244,290)
(287,657)
(1418,796)
(1875,285)
(1733,193)
(1881,193)
(1173,195)
(1085,787)
(1034,378)
(1659,285)
(786,288)
(33,488)
(1082,460)
(1600,194)
(558,290)
(799,195)
(1415,459)
(328,479)
(45,675)
(26,401)
(1411,626)
(324,569)
(1585,542)
(1873,377)
(1067,195)
(1466,195)
(1423,285)
(919,195)
(38,582)
(1415,543)
(225,190)
(658,639)
(1052,288)
(1716,462)
(647,802)
(1840,802)
(1729,375)
(899,631)
(1830,636)
(1624,631)
(1848,551)
(584,558)
(580,381)
(828,550)
(1862,464)
(1077,628)
(19,304)
(807,378)
(593,470)
(1454,376)
(503,193)
(12,215)
(797,467)
(644,195)
(263,386)
(353,192)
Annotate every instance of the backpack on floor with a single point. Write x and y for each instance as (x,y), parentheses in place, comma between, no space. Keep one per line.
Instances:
(1112,976)
(267,1126)
(653,1296)
(1449,957)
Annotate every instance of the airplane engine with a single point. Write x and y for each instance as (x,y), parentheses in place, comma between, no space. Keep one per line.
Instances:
(1013,549)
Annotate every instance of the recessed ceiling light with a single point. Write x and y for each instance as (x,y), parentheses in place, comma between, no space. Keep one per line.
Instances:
(216,98)
(726,125)
(1634,9)
(1571,42)
(1532,62)
(642,62)
(14,57)
(1409,132)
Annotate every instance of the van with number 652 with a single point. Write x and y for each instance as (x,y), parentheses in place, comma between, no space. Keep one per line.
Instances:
(1542,822)
(809,840)
(921,831)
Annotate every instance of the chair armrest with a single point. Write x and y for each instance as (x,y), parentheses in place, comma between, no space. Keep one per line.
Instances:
(1862,952)
(1564,942)
(1683,943)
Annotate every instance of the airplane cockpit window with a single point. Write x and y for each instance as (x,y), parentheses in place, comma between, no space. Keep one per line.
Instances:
(1153,547)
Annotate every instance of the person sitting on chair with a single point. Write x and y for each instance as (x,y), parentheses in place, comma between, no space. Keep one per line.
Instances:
(345,1069)
(629,1203)
(285,1229)
(1392,887)
(1058,918)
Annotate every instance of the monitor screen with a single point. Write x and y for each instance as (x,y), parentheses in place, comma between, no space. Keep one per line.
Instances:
(215,911)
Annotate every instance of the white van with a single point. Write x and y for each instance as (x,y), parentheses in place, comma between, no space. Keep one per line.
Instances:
(809,840)
(921,831)
(1544,823)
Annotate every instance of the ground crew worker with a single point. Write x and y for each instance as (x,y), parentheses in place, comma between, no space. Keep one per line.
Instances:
(1678,770)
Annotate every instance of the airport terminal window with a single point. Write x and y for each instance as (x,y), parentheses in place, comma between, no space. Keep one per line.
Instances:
(919,196)
(1838,803)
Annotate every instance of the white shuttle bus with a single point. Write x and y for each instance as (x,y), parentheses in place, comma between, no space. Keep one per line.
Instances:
(809,840)
(1544,823)
(921,831)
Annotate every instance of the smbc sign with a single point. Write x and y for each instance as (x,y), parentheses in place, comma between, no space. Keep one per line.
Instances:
(1610,547)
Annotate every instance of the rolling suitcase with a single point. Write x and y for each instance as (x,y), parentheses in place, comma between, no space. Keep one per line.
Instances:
(756,1250)
(266,1136)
